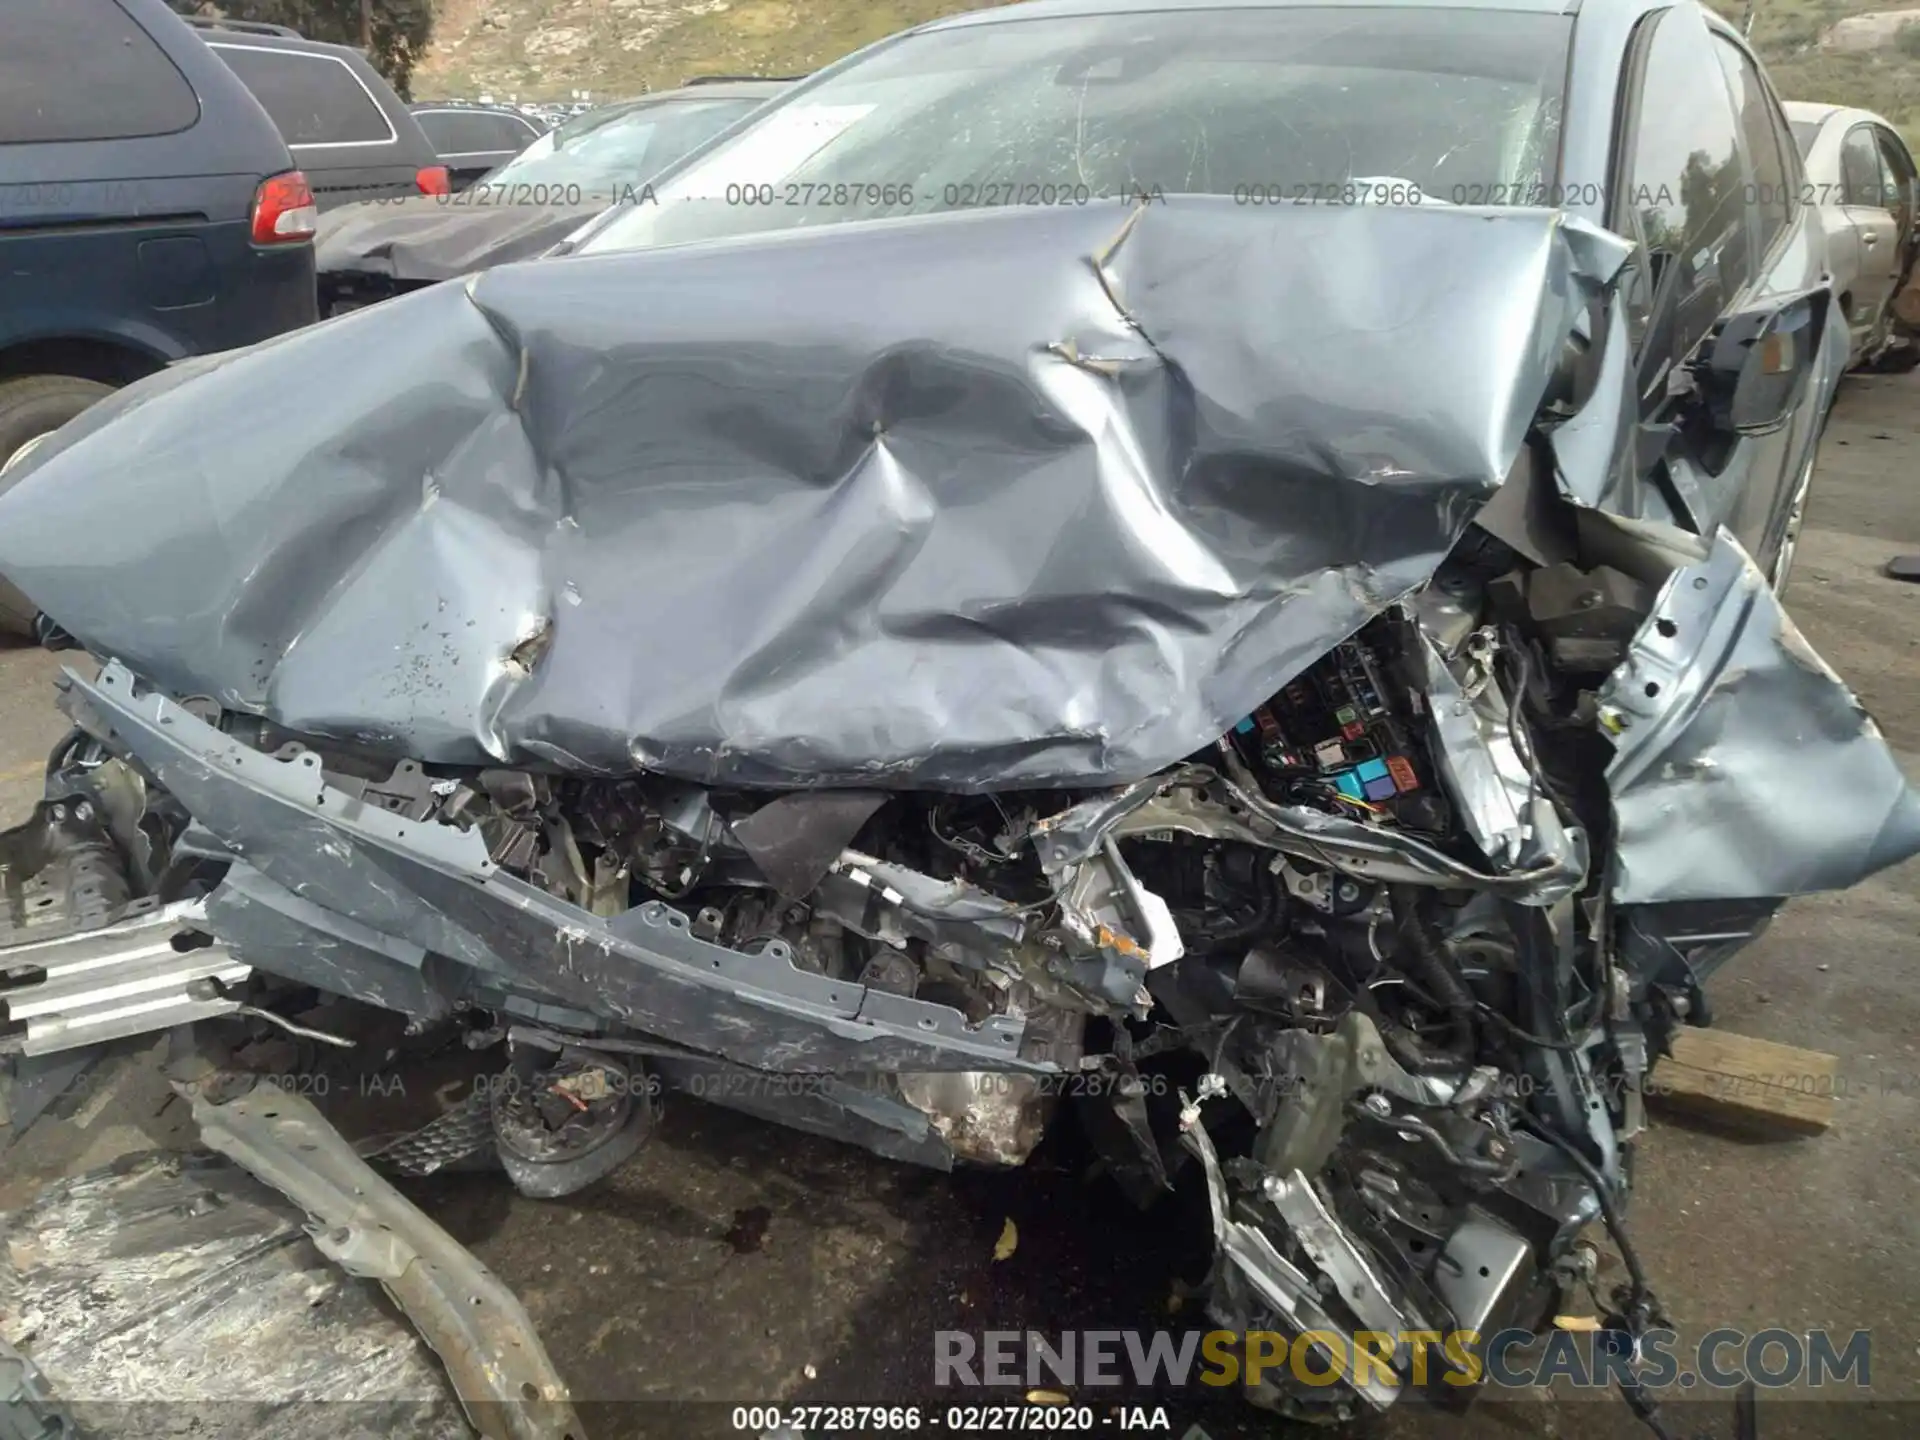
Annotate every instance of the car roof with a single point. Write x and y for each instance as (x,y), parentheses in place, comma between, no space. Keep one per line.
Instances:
(1819,113)
(252,39)
(1045,9)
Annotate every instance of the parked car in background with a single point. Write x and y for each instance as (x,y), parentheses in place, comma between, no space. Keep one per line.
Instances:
(562,179)
(354,138)
(473,139)
(148,211)
(1862,177)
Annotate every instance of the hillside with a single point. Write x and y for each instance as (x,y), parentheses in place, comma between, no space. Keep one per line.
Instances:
(1886,78)
(544,49)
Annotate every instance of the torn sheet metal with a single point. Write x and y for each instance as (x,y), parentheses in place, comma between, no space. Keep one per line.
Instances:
(785,511)
(1253,1268)
(433,890)
(1504,809)
(1743,767)
(424,238)
(1592,465)
(472,1319)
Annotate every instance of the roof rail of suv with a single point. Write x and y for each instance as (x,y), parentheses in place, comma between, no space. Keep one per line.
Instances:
(246,27)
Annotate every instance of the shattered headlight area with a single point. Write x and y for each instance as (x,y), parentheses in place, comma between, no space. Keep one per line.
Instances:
(1335,801)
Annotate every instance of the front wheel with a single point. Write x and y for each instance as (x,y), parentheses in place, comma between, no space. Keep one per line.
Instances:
(32,408)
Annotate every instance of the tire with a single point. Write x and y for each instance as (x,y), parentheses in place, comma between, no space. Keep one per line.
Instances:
(1896,357)
(16,612)
(37,405)
(30,408)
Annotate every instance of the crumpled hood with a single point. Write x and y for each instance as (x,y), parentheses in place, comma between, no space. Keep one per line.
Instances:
(436,237)
(1028,497)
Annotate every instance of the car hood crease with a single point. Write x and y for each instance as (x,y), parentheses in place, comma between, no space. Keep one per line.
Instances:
(1026,497)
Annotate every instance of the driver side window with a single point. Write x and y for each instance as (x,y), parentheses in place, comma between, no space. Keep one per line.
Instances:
(1860,168)
(1897,165)
(1685,195)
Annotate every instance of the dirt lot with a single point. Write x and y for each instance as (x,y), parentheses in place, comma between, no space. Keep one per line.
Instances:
(735,1262)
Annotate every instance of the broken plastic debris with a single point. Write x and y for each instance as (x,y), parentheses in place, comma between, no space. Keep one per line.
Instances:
(1008,1242)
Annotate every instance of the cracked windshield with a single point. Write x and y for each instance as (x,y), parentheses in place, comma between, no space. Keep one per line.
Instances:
(1269,107)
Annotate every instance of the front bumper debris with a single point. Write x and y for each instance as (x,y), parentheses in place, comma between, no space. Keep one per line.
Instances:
(308,855)
(474,1322)
(127,979)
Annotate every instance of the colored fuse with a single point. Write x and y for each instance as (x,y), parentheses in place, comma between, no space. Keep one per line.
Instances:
(1371,770)
(1244,726)
(1353,730)
(1348,784)
(1375,782)
(1346,715)
(1401,769)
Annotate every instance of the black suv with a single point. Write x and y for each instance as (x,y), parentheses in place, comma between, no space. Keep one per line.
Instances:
(148,211)
(352,136)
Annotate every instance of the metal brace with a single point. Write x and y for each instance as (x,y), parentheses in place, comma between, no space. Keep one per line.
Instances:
(506,1383)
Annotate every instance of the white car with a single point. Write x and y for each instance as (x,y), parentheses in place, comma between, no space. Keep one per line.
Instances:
(1861,176)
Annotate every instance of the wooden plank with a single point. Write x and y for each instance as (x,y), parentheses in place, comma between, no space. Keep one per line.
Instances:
(1759,1086)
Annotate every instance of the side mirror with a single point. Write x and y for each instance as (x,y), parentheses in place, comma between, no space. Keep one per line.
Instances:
(1757,365)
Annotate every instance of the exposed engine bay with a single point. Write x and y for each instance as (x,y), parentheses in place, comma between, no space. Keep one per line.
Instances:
(1350,964)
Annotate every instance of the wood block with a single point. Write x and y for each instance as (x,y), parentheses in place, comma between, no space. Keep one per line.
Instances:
(1758,1086)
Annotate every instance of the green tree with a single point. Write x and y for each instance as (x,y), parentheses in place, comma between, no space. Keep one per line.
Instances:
(400,29)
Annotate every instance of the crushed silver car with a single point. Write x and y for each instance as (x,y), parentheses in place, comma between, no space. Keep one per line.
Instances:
(1310,673)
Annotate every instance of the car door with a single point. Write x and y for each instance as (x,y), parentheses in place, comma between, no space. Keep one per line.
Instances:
(1708,188)
(1903,201)
(1766,470)
(1865,187)
(472,142)
(1826,190)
